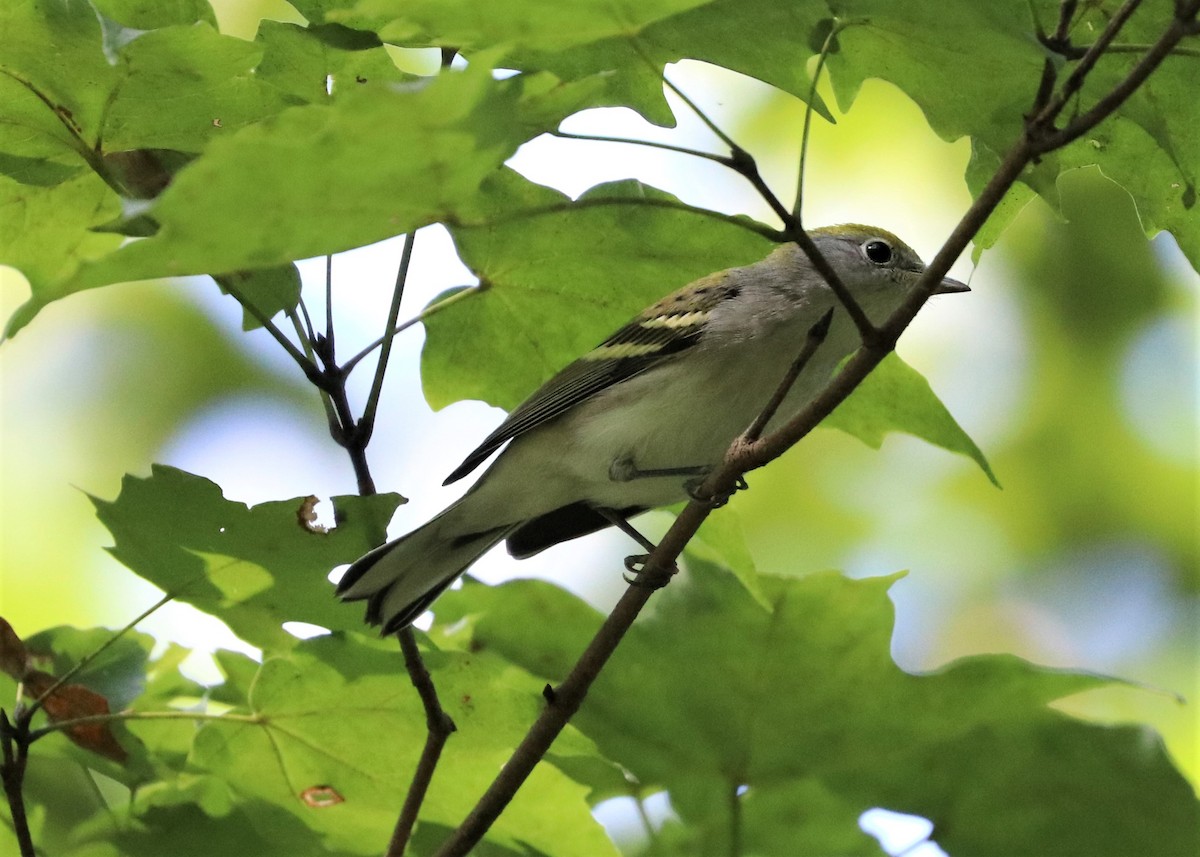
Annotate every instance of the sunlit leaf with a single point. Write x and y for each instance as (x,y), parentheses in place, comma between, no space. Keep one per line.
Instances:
(179,532)
(811,701)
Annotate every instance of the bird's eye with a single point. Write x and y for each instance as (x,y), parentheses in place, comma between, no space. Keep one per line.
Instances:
(879,252)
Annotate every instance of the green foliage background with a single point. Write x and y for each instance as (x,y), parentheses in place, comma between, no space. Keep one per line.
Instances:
(1072,364)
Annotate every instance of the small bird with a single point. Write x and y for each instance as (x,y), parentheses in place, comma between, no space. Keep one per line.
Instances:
(642,417)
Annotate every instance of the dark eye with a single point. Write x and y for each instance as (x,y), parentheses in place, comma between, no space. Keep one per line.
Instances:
(879,252)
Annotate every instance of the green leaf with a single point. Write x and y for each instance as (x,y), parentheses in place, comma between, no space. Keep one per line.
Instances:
(1151,146)
(303,62)
(253,568)
(212,86)
(560,276)
(629,42)
(812,707)
(896,397)
(55,48)
(471,26)
(721,540)
(377,162)
(118,673)
(269,290)
(44,233)
(153,14)
(346,783)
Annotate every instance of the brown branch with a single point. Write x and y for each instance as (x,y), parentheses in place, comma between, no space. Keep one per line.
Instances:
(439,726)
(14,741)
(1182,26)
(1046,116)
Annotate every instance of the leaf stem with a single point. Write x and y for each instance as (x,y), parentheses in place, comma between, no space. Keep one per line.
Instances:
(27,713)
(306,366)
(112,717)
(366,425)
(432,309)
(649,144)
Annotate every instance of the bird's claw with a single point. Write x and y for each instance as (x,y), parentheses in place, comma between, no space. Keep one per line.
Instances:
(715,501)
(651,578)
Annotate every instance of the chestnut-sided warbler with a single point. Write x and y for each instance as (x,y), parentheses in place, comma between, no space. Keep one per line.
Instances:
(631,424)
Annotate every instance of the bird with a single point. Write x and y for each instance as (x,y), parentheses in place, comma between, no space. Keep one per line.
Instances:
(634,423)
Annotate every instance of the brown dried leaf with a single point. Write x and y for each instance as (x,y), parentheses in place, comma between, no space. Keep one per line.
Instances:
(72,702)
(307,515)
(14,657)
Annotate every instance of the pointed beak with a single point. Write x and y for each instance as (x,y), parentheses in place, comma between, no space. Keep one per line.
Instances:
(950,287)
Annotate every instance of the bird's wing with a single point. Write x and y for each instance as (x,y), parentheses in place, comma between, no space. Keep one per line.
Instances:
(662,330)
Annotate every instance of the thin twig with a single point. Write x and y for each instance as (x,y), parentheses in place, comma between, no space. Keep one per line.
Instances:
(329,336)
(366,425)
(1125,48)
(355,437)
(439,728)
(1046,116)
(306,366)
(15,746)
(432,309)
(27,713)
(802,171)
(700,114)
(310,334)
(816,335)
(114,716)
(650,144)
(739,159)
(1159,51)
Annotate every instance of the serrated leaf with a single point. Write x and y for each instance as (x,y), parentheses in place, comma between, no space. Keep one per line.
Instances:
(810,701)
(559,277)
(315,747)
(1151,145)
(312,63)
(629,42)
(896,397)
(377,162)
(212,85)
(178,531)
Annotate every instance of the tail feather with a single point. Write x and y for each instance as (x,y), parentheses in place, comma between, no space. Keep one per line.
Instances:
(400,579)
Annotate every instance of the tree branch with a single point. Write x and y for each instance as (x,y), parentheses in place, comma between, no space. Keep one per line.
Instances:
(439,726)
(15,745)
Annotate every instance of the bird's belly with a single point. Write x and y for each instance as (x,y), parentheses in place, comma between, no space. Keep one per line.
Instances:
(671,419)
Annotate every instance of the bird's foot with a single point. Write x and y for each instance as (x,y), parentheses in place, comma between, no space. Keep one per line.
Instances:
(652,577)
(716,501)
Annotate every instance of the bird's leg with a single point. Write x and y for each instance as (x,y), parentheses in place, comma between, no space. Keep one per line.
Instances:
(624,470)
(636,563)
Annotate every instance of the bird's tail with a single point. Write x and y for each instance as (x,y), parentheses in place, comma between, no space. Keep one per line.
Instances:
(400,579)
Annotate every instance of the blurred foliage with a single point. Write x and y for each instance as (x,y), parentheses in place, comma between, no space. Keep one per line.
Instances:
(231,144)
